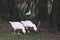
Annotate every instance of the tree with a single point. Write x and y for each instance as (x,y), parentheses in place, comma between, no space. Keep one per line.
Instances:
(41,10)
(42,7)
(4,14)
(54,20)
(14,15)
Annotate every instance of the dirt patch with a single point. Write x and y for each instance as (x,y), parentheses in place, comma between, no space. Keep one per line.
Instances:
(5,26)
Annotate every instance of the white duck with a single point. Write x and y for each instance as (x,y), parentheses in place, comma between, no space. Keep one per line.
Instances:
(17,25)
(28,13)
(28,23)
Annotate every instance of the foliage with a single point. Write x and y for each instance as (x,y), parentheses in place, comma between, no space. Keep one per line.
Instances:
(24,7)
(50,2)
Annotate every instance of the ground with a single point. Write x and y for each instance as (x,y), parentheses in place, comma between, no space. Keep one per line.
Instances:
(30,36)
(6,34)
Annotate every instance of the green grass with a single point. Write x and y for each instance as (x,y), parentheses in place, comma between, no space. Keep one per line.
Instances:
(30,36)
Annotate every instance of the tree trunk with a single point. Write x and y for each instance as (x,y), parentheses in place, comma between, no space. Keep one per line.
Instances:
(41,11)
(54,21)
(42,7)
(13,10)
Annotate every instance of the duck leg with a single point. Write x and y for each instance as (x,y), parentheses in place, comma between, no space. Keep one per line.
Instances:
(28,30)
(14,32)
(18,32)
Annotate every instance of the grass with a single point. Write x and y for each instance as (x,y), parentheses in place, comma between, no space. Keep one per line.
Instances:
(29,36)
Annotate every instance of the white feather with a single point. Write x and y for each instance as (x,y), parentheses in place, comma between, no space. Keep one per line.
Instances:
(28,23)
(17,25)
